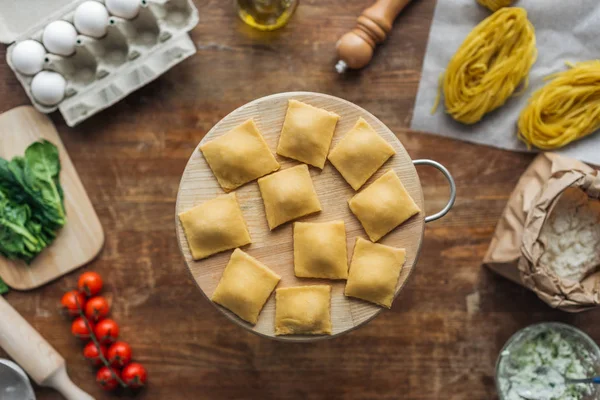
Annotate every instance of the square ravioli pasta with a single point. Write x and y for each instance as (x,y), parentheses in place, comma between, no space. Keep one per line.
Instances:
(383,205)
(320,250)
(215,226)
(360,153)
(306,134)
(239,156)
(303,310)
(374,272)
(245,286)
(288,194)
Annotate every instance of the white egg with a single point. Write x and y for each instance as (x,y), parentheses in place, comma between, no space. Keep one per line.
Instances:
(48,88)
(91,19)
(60,37)
(28,57)
(127,9)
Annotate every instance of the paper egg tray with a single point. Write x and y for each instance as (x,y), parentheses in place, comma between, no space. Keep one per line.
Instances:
(133,53)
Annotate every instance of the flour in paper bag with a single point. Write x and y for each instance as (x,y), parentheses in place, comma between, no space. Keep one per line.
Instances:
(572,236)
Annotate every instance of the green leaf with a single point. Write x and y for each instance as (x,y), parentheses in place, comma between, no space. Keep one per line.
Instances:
(43,157)
(31,202)
(3,287)
(37,185)
(42,167)
(16,240)
(9,184)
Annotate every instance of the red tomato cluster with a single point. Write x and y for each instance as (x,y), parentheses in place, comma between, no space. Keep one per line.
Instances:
(103,350)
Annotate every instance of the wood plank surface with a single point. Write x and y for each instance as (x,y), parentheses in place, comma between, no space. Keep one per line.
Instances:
(444,332)
(275,248)
(80,240)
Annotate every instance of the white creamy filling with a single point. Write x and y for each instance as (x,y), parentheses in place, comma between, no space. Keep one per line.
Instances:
(537,370)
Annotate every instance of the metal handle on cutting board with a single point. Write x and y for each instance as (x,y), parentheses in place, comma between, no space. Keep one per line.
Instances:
(34,354)
(448,176)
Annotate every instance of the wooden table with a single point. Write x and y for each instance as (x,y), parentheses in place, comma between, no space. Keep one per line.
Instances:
(441,338)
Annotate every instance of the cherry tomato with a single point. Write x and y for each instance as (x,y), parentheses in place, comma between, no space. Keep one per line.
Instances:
(119,354)
(134,375)
(90,283)
(106,378)
(96,308)
(107,331)
(90,351)
(72,302)
(79,328)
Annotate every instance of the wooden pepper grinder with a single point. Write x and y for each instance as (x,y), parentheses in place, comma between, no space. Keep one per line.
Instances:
(355,48)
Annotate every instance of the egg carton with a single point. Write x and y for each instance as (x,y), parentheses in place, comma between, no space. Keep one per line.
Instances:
(105,70)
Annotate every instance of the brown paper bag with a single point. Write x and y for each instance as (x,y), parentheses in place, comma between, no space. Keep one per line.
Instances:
(515,249)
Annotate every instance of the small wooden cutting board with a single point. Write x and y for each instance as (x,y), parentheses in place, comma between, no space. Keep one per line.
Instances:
(82,237)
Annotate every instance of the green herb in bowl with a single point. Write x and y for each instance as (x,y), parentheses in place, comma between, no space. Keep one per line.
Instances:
(536,363)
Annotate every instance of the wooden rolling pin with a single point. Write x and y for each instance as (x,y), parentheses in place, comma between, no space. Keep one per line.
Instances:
(34,354)
(355,48)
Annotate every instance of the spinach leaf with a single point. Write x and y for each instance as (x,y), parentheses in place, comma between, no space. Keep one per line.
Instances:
(31,202)
(42,169)
(10,185)
(16,241)
(3,287)
(37,177)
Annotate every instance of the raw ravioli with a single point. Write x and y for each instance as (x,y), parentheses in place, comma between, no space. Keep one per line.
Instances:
(374,272)
(360,153)
(239,156)
(215,226)
(245,286)
(383,205)
(320,250)
(303,310)
(306,134)
(288,195)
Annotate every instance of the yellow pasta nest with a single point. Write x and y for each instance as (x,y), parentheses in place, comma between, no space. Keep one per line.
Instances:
(566,109)
(492,62)
(495,5)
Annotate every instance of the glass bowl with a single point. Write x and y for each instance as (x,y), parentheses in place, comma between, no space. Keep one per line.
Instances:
(588,353)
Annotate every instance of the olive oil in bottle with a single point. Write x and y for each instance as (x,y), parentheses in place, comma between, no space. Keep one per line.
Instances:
(266,15)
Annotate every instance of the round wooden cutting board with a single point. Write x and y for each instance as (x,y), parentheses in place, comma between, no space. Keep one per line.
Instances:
(274,249)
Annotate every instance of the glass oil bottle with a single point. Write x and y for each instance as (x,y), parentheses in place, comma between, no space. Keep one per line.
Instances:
(266,15)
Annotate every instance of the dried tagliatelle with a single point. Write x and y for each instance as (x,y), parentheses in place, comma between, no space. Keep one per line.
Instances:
(565,110)
(492,62)
(495,5)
